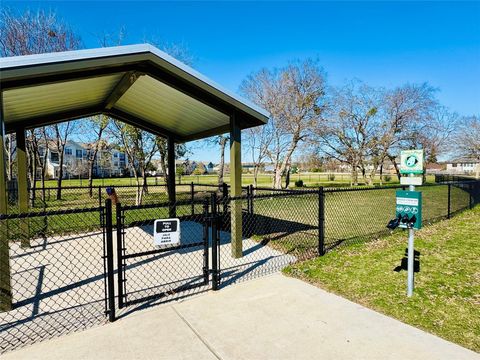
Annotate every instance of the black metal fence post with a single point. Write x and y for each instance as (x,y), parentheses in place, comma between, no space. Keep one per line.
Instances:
(206,225)
(214,219)
(224,190)
(109,245)
(250,208)
(449,206)
(321,221)
(224,199)
(471,194)
(120,249)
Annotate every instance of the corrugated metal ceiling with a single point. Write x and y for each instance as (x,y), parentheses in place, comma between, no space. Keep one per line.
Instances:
(43,100)
(169,108)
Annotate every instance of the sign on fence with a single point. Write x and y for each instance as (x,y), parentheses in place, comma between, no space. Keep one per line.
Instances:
(166,232)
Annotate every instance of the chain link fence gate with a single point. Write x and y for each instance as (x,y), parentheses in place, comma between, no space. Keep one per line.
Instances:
(57,273)
(148,274)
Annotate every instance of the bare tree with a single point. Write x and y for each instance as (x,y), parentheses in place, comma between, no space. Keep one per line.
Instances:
(258,140)
(408,111)
(294,97)
(96,128)
(366,126)
(349,136)
(33,33)
(10,151)
(220,141)
(467,139)
(140,147)
(38,146)
(62,133)
(180,151)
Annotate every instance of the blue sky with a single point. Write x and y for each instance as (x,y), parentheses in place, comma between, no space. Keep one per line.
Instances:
(381,43)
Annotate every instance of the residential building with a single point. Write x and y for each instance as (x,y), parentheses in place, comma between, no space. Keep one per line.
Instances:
(462,166)
(110,162)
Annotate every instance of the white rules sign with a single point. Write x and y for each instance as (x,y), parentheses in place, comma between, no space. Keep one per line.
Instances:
(166,232)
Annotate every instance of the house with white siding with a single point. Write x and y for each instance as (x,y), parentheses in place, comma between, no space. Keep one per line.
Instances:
(463,166)
(109,162)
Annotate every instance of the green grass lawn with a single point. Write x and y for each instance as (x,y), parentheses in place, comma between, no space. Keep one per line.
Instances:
(446,301)
(264,180)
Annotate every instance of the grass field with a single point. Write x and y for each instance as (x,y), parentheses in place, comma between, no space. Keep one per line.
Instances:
(446,301)
(290,223)
(350,216)
(309,179)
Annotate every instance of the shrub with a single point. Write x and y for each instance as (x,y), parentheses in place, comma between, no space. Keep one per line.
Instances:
(387,178)
(331,177)
(299,183)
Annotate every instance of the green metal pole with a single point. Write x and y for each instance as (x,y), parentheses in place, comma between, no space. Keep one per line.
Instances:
(236,187)
(171,177)
(5,277)
(22,185)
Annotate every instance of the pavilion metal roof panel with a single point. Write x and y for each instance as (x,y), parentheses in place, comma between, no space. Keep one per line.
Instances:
(165,94)
(57,97)
(169,108)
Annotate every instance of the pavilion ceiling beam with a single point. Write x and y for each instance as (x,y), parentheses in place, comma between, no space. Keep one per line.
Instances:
(55,118)
(207,133)
(121,88)
(47,79)
(142,124)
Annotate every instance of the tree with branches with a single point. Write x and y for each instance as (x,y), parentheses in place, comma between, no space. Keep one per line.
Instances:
(294,96)
(33,33)
(97,126)
(467,140)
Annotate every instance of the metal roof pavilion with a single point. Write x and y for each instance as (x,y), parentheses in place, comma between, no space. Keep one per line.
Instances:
(138,84)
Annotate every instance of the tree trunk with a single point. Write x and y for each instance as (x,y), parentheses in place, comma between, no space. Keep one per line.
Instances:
(287,176)
(381,174)
(354,180)
(32,176)
(280,170)
(277,182)
(90,178)
(139,192)
(60,174)
(10,160)
(256,169)
(44,172)
(397,170)
(144,181)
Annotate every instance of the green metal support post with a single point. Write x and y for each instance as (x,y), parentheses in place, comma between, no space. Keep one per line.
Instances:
(5,277)
(22,169)
(171,177)
(236,186)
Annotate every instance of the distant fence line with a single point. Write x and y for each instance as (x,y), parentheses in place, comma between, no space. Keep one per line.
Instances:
(79,196)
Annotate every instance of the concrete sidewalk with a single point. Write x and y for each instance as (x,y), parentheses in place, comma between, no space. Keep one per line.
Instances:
(274,317)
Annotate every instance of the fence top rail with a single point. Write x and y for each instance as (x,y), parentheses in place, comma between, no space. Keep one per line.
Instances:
(88,187)
(162,204)
(312,189)
(49,213)
(123,186)
(274,195)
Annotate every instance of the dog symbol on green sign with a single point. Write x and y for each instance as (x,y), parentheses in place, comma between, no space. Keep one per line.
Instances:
(411,161)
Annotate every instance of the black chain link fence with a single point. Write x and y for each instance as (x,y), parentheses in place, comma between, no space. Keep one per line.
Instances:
(57,255)
(57,274)
(150,274)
